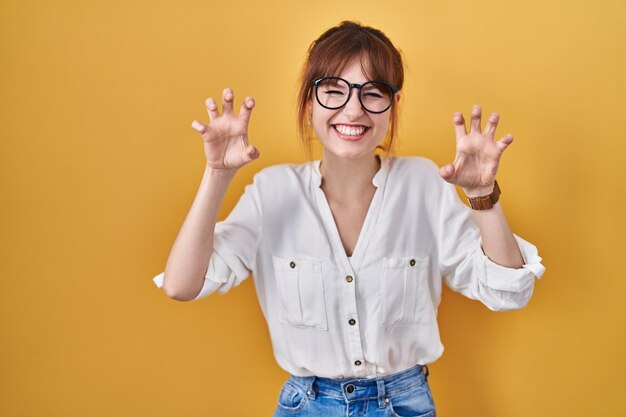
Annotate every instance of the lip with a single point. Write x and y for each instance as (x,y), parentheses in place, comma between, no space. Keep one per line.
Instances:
(350,137)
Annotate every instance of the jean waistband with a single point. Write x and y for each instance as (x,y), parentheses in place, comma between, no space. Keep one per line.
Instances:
(363,388)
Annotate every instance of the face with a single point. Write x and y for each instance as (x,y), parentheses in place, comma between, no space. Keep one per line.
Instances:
(350,132)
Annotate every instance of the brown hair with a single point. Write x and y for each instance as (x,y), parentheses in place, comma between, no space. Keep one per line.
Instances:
(332,52)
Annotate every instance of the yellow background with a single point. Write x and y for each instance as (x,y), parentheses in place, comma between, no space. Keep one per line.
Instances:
(100,166)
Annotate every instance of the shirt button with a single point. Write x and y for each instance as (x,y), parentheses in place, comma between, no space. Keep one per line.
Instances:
(357,363)
(412,262)
(352,322)
(350,389)
(292,264)
(349,278)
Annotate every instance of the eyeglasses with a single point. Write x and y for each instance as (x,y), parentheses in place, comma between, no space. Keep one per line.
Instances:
(333,93)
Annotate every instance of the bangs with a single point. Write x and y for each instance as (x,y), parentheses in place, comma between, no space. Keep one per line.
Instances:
(375,58)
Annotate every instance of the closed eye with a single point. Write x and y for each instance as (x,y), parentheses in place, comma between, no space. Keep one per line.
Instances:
(334,92)
(373,95)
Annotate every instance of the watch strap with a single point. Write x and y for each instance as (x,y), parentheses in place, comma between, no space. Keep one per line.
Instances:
(485,202)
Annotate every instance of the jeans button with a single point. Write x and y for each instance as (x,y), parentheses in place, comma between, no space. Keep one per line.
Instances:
(350,389)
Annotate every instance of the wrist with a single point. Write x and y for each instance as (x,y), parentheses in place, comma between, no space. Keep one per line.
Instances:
(221,173)
(479,191)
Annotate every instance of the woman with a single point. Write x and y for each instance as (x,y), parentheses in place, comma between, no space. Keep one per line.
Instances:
(348,253)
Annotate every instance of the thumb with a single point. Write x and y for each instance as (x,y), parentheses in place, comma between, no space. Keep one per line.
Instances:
(198,127)
(447,172)
(251,153)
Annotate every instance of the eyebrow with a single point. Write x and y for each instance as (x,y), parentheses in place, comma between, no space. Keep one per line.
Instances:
(371,87)
(332,82)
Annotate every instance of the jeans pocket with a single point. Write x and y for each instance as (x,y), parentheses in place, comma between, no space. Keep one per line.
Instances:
(301,288)
(415,402)
(291,398)
(404,290)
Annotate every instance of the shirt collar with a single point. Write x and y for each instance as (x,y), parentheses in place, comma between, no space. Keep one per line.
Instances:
(379,178)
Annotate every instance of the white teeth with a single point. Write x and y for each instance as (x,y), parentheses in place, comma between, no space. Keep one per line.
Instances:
(350,130)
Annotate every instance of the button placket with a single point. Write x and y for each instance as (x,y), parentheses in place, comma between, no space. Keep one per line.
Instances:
(353,331)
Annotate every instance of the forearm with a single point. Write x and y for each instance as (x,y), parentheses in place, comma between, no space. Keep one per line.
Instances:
(498,242)
(190,254)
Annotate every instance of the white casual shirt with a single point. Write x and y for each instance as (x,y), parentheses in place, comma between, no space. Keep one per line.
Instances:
(374,313)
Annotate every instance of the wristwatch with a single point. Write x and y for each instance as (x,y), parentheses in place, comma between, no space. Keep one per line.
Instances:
(485,202)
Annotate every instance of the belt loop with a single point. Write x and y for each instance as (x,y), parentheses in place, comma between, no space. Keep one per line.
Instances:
(381,393)
(310,392)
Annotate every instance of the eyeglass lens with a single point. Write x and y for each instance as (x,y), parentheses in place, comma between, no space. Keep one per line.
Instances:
(334,93)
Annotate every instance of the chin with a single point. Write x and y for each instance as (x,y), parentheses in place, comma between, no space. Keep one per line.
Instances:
(351,153)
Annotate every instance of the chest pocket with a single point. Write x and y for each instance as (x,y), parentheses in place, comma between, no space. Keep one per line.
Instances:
(404,290)
(301,289)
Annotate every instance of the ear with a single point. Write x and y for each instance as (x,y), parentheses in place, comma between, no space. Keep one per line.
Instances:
(398,96)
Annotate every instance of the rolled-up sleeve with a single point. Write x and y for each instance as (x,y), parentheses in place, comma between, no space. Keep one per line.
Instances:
(466,269)
(235,246)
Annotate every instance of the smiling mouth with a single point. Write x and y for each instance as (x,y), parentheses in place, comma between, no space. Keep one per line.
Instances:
(350,131)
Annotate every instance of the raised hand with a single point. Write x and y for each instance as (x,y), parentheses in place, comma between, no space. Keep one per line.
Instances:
(226,136)
(477,154)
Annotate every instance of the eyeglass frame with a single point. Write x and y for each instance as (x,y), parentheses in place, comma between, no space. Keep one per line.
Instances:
(393,88)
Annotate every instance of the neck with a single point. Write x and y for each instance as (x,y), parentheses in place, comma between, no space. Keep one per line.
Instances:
(348,179)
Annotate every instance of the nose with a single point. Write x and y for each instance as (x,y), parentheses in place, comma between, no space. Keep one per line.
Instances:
(353,108)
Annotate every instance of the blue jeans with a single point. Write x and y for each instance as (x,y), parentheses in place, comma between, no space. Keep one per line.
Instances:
(404,394)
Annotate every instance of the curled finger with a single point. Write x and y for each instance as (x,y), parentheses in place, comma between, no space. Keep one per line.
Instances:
(492,123)
(505,142)
(475,123)
(246,109)
(211,107)
(459,125)
(227,101)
